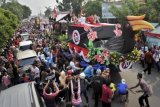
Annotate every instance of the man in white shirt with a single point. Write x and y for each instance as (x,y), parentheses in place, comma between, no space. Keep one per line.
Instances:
(156,57)
(73,65)
(35,72)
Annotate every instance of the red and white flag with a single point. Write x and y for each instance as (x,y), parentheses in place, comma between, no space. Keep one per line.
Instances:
(55,12)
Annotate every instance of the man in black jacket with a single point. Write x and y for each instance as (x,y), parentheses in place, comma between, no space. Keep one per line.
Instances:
(96,84)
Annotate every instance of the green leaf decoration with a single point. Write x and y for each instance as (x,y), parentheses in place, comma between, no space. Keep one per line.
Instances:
(98,50)
(90,44)
(107,62)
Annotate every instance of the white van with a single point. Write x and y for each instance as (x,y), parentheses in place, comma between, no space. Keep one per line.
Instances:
(22,95)
(24,45)
(26,58)
(25,35)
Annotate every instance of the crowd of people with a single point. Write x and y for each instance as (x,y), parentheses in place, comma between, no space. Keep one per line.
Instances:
(62,77)
(150,56)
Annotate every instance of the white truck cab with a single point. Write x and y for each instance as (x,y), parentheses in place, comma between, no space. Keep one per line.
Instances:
(24,45)
(22,95)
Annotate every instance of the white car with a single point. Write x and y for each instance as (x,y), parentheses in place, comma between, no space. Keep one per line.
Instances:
(25,35)
(24,45)
(26,59)
(22,95)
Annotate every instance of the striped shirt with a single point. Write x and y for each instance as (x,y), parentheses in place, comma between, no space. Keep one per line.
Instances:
(74,100)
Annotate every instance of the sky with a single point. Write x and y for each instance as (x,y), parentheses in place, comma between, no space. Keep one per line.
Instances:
(38,5)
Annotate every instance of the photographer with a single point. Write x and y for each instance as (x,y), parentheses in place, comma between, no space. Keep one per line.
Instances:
(49,96)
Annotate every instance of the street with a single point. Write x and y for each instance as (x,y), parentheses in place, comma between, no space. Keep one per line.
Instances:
(56,53)
(131,79)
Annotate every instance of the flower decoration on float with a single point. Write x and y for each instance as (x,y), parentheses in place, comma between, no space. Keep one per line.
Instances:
(118,31)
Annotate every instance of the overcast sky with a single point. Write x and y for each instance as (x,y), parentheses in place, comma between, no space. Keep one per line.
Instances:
(38,5)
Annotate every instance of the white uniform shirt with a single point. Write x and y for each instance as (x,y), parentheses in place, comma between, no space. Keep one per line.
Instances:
(35,72)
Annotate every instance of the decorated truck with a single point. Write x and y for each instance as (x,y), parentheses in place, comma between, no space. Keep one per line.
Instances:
(107,43)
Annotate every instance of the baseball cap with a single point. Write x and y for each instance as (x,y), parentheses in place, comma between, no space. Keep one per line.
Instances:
(107,70)
(82,75)
(98,72)
(123,81)
(69,72)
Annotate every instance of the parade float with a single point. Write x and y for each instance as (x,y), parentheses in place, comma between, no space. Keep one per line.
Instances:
(107,43)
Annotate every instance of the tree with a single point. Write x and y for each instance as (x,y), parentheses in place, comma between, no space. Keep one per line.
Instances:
(21,11)
(155,4)
(2,1)
(66,5)
(129,7)
(89,10)
(15,8)
(48,11)
(26,11)
(9,23)
(132,7)
(77,6)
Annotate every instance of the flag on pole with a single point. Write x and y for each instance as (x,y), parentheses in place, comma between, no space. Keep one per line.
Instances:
(55,12)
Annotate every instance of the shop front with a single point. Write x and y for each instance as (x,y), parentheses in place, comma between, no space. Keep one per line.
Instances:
(153,37)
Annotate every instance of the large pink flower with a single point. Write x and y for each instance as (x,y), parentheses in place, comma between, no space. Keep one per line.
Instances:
(92,35)
(99,58)
(87,28)
(118,32)
(118,25)
(106,53)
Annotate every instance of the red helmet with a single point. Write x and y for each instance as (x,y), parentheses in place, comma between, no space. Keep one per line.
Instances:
(69,72)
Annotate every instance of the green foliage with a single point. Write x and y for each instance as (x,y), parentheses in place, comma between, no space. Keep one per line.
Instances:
(66,5)
(9,23)
(131,7)
(2,1)
(64,41)
(77,5)
(21,11)
(63,37)
(134,55)
(93,7)
(48,12)
(15,8)
(116,58)
(26,11)
(153,6)
(64,45)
